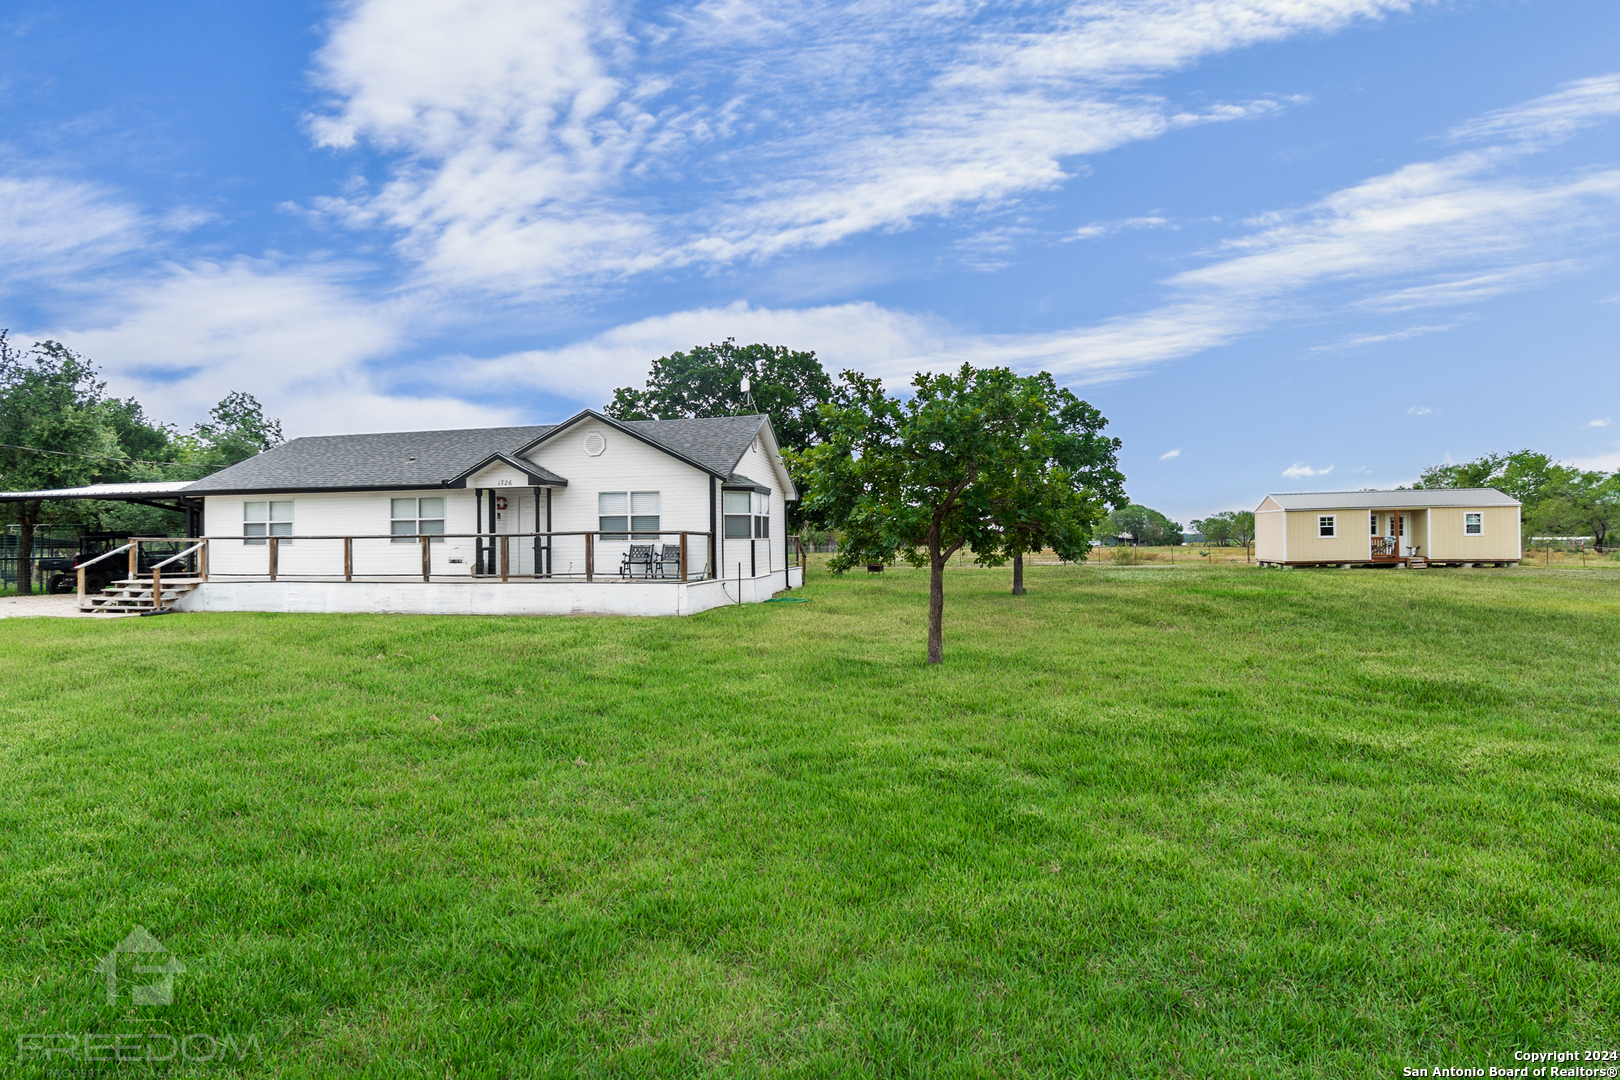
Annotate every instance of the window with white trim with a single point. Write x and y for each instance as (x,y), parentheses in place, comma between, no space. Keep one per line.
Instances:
(1327,525)
(269,518)
(628,515)
(737,506)
(1375,523)
(1473,524)
(411,518)
(748,515)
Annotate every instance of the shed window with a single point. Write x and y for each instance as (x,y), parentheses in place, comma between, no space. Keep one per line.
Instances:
(1375,523)
(1327,525)
(266,519)
(628,515)
(410,518)
(1474,524)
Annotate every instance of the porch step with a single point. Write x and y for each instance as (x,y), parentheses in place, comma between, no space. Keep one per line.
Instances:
(133,596)
(1417,562)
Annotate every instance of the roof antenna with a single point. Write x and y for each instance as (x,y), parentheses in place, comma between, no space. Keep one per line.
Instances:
(744,386)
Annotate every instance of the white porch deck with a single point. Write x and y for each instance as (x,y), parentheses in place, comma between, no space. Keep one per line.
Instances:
(635,596)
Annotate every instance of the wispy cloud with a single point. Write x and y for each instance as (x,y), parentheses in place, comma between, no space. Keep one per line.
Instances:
(525,141)
(1419,410)
(1551,118)
(1600,423)
(1356,340)
(1298,470)
(1169,454)
(1099,229)
(53,229)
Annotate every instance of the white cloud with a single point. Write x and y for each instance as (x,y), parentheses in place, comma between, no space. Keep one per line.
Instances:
(1355,340)
(1600,423)
(1298,470)
(526,142)
(1419,410)
(53,229)
(1169,454)
(1599,463)
(1547,119)
(295,339)
(1099,229)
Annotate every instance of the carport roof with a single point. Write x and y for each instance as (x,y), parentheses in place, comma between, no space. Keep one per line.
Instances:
(149,490)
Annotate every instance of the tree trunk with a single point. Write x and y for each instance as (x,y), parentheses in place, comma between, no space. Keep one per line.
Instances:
(936,608)
(1018,574)
(28,514)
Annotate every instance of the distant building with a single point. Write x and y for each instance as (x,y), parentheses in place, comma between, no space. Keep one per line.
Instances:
(1442,526)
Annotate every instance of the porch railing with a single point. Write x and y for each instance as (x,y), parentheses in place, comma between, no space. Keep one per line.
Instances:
(574,555)
(590,556)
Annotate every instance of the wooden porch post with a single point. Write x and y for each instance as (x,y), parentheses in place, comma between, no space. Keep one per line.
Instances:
(348,558)
(427,559)
(134,558)
(157,587)
(685,547)
(202,561)
(590,556)
(275,557)
(506,555)
(81,586)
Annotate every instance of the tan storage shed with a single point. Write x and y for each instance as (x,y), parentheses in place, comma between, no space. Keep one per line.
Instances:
(1443,526)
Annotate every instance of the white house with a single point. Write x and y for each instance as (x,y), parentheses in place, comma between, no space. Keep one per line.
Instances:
(590,515)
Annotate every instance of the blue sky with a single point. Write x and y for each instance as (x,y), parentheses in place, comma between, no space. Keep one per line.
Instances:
(1282,244)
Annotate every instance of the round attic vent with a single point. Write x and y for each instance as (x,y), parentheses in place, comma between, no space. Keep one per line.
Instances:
(595,443)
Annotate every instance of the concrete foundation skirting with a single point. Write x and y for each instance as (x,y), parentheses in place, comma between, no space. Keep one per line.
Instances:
(487,597)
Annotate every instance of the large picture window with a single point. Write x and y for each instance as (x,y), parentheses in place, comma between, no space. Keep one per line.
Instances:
(628,515)
(266,519)
(411,518)
(1474,524)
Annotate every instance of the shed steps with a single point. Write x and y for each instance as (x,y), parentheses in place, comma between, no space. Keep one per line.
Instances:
(134,596)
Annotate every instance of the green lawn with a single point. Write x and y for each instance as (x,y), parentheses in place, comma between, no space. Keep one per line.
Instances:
(1143,822)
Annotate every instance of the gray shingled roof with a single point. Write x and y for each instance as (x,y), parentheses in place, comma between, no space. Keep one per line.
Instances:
(394,459)
(1392,500)
(425,459)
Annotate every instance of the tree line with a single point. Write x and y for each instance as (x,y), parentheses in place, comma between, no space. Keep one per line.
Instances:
(59,428)
(1557,500)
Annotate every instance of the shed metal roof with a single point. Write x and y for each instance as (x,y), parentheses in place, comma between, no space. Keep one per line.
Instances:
(1379,500)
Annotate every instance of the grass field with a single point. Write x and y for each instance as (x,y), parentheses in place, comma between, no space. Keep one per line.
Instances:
(1142,822)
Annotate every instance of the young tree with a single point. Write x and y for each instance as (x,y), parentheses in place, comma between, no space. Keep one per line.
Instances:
(56,432)
(1217,528)
(1056,501)
(787,385)
(940,471)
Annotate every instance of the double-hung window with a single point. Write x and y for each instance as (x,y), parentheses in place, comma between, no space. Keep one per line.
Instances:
(266,519)
(1375,523)
(628,515)
(1473,524)
(1327,525)
(748,515)
(411,518)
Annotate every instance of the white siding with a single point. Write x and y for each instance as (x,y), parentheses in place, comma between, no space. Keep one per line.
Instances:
(627,464)
(768,555)
(348,513)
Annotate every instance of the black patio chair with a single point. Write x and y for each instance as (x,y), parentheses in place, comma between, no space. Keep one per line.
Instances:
(669,561)
(639,555)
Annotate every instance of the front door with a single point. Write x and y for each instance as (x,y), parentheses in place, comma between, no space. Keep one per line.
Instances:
(514,514)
